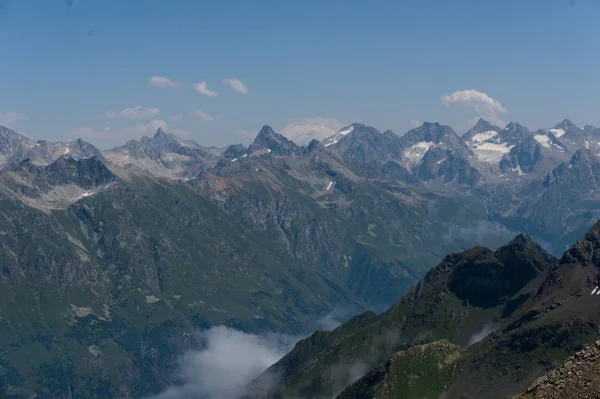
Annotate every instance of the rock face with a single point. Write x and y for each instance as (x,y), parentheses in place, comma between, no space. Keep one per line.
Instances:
(578,377)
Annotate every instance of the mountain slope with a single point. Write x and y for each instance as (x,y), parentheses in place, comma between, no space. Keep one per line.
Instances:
(576,378)
(456,300)
(552,317)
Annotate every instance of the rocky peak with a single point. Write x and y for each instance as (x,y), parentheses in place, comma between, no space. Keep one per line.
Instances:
(481,126)
(268,140)
(587,249)
(234,151)
(514,133)
(434,133)
(566,124)
(524,156)
(315,145)
(87,173)
(485,278)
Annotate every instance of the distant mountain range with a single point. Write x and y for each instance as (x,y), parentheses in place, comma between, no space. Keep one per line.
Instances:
(109,260)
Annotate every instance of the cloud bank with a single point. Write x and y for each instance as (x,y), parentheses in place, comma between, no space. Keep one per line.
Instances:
(201,88)
(237,85)
(137,112)
(483,105)
(205,116)
(303,130)
(229,361)
(9,118)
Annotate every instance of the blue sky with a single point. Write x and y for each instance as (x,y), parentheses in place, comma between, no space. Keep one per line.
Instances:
(67,65)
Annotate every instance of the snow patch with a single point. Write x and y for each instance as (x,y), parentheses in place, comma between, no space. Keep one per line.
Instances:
(491,152)
(234,159)
(269,150)
(346,131)
(329,185)
(340,135)
(481,137)
(543,140)
(519,171)
(557,132)
(66,151)
(416,152)
(86,194)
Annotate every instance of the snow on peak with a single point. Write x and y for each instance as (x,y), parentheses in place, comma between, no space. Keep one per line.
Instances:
(416,152)
(557,132)
(338,136)
(346,131)
(491,152)
(484,136)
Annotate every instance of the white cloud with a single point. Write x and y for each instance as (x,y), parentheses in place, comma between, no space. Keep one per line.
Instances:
(118,136)
(229,361)
(485,106)
(205,116)
(137,112)
(163,82)
(201,88)
(416,123)
(247,133)
(303,130)
(9,118)
(237,85)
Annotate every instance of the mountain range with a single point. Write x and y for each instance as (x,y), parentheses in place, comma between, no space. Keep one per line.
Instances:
(110,260)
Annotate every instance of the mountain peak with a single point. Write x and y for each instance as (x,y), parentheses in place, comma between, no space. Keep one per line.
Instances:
(586,249)
(566,124)
(159,133)
(484,126)
(272,141)
(266,130)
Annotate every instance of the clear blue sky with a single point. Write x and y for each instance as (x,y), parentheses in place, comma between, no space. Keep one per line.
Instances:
(385,63)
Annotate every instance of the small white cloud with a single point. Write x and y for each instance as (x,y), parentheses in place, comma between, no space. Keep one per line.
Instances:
(137,112)
(416,123)
(9,118)
(303,130)
(205,116)
(201,88)
(485,106)
(176,118)
(110,135)
(163,82)
(237,85)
